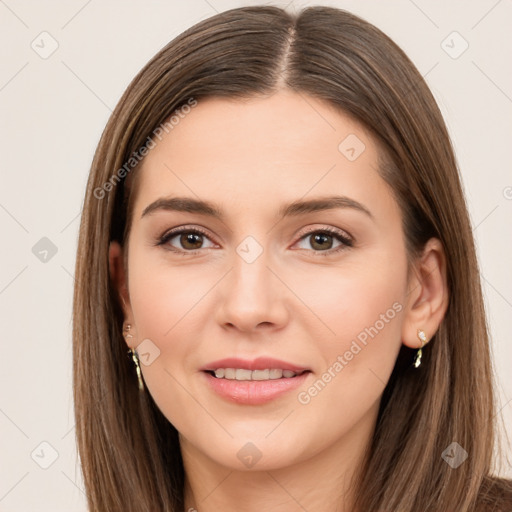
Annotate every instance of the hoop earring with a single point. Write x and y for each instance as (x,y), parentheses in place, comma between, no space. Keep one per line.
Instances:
(423,338)
(134,356)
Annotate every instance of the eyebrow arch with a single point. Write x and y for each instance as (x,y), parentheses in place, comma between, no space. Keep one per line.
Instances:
(299,207)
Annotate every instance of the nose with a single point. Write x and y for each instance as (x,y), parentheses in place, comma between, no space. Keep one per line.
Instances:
(251,297)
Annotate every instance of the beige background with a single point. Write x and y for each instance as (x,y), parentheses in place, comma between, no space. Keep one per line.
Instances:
(53,111)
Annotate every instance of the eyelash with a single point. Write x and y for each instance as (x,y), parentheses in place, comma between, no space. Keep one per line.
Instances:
(345,241)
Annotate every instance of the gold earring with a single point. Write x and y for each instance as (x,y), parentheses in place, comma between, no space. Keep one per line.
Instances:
(135,358)
(126,331)
(423,338)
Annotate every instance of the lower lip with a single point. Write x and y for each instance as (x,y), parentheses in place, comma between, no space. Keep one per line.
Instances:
(254,392)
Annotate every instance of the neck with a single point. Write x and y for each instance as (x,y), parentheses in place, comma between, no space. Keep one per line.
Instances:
(324,481)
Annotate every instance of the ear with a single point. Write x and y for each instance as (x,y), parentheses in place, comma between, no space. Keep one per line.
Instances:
(428,296)
(118,278)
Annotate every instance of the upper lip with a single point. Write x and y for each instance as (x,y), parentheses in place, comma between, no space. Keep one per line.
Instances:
(260,363)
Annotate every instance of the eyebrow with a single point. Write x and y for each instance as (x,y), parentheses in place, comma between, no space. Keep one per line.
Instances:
(299,207)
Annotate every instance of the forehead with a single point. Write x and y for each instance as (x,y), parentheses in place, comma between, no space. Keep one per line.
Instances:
(254,150)
(285,124)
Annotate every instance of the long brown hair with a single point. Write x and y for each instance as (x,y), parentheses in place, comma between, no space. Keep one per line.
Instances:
(129,451)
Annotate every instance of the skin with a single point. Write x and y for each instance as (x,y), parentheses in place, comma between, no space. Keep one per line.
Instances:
(293,303)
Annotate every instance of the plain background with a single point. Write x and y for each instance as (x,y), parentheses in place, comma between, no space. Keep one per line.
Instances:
(53,111)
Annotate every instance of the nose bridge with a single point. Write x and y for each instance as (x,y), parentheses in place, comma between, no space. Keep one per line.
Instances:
(251,295)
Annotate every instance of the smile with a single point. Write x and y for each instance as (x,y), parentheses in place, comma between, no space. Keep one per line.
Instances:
(243,374)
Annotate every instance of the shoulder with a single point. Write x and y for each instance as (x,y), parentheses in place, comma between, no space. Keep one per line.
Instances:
(495,495)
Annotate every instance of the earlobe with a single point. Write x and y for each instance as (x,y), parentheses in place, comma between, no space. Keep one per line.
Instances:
(428,296)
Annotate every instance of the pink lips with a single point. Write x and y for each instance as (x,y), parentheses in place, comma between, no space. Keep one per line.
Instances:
(252,392)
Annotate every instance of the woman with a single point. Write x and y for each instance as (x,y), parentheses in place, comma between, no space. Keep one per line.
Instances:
(274,228)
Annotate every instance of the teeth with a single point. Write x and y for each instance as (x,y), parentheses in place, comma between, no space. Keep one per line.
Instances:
(260,375)
(275,373)
(243,374)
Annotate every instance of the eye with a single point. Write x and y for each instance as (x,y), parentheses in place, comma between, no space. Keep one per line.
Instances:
(323,241)
(189,240)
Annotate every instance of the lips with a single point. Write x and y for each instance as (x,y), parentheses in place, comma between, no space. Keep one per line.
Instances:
(253,382)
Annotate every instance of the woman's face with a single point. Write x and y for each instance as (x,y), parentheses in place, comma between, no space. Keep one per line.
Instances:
(302,268)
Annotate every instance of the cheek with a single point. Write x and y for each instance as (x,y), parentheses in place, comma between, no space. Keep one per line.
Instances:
(165,296)
(166,301)
(348,301)
(360,308)
(363,310)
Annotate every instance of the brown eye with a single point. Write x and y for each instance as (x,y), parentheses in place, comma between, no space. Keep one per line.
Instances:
(185,240)
(191,240)
(321,241)
(325,241)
